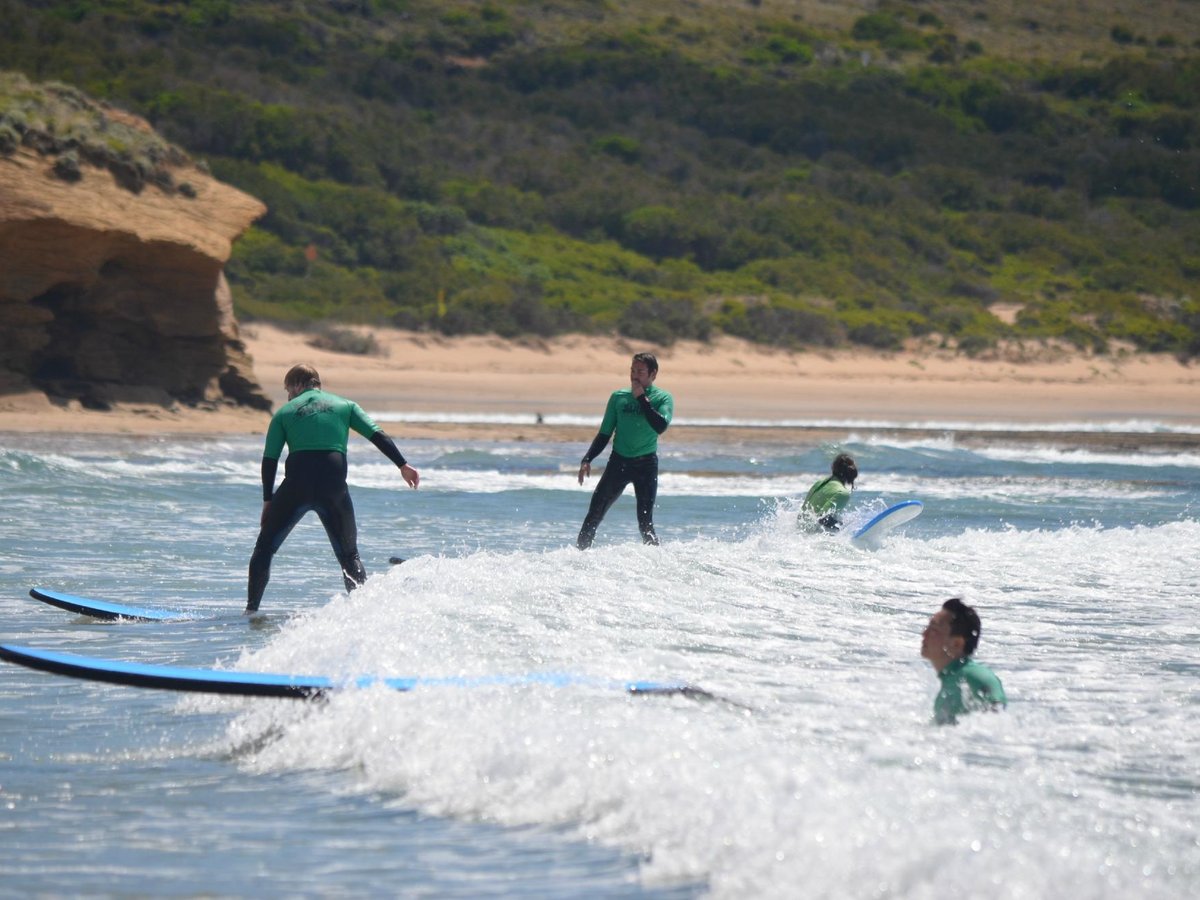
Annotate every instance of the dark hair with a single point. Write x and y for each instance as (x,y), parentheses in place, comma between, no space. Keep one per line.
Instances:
(302,376)
(964,623)
(844,469)
(647,358)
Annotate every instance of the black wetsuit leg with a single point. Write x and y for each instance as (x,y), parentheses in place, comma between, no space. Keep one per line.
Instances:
(314,480)
(644,474)
(288,506)
(642,471)
(337,515)
(611,485)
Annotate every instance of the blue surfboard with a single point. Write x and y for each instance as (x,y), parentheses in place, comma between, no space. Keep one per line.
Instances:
(103,609)
(873,532)
(268,684)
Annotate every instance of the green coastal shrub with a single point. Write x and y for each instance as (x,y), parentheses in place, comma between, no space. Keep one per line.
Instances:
(10,139)
(66,166)
(880,327)
(887,30)
(784,326)
(554,170)
(664,320)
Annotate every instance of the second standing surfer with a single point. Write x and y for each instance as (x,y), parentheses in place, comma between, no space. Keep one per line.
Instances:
(638,415)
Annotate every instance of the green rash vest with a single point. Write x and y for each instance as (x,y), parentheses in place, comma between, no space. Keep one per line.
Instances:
(316,420)
(966,686)
(826,496)
(634,435)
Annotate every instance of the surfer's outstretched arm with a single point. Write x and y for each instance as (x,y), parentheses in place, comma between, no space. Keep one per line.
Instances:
(389,449)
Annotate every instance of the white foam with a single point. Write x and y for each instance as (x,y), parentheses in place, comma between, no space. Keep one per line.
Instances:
(835,781)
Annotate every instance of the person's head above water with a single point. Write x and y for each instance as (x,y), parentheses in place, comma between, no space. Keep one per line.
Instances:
(952,633)
(844,469)
(300,378)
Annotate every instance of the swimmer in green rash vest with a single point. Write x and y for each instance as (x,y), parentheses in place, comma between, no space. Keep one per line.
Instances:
(315,426)
(829,496)
(948,642)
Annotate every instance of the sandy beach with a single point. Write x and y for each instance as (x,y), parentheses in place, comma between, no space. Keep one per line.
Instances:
(724,386)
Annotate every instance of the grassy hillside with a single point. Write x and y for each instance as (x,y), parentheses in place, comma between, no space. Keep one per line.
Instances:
(797,173)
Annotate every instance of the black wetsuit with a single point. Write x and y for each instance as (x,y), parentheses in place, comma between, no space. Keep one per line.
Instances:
(642,471)
(314,480)
(637,422)
(315,426)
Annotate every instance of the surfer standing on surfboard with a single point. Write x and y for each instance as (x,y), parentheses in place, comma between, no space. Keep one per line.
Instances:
(829,496)
(315,426)
(638,414)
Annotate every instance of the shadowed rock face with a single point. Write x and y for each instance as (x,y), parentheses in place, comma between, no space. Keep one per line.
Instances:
(110,295)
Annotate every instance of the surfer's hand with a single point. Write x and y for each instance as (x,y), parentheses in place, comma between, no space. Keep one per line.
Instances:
(585,469)
(410,475)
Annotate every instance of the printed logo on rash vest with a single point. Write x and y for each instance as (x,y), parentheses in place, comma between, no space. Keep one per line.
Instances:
(312,407)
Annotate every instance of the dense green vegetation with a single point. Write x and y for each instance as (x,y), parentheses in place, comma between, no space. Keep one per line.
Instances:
(669,170)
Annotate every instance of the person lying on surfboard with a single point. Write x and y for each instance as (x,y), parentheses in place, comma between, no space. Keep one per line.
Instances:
(315,426)
(948,642)
(829,496)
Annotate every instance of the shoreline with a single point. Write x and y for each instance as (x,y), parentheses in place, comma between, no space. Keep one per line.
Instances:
(192,426)
(723,391)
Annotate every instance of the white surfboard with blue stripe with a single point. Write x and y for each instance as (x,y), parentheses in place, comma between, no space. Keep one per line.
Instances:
(871,534)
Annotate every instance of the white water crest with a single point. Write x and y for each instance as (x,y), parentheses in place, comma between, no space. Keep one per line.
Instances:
(824,772)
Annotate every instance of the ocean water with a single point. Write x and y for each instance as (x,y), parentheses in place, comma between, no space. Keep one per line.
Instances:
(817,772)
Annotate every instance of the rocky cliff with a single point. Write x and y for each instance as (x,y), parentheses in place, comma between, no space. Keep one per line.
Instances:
(111,263)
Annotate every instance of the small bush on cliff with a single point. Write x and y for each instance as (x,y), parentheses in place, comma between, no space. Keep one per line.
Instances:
(59,120)
(10,139)
(66,166)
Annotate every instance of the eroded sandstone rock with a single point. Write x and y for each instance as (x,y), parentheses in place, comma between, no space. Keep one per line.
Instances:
(112,291)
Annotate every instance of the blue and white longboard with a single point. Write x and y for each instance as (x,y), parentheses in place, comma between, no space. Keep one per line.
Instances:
(873,533)
(266,684)
(103,609)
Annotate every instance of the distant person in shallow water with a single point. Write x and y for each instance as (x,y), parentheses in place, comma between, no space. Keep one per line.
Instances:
(829,496)
(638,415)
(315,426)
(948,642)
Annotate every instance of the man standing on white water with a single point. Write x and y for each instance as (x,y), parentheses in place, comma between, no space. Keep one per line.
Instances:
(638,414)
(315,426)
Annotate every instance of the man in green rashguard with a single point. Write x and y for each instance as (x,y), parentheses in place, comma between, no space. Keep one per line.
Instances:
(948,642)
(829,496)
(315,426)
(638,415)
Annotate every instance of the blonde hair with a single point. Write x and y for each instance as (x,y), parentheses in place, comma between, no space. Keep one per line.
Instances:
(302,376)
